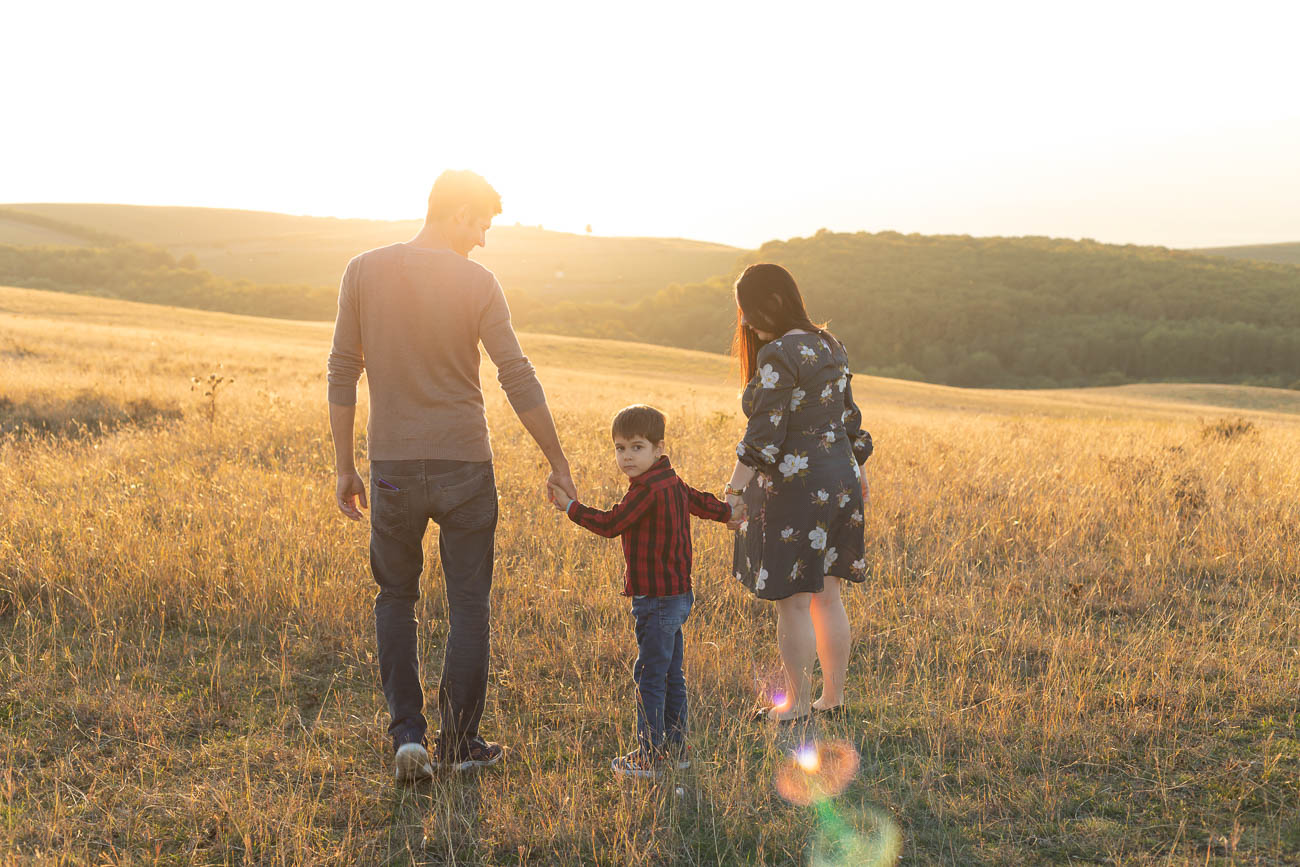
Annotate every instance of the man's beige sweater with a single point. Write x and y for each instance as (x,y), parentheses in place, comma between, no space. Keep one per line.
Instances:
(413,318)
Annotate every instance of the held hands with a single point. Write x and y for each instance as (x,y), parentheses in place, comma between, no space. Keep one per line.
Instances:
(560,483)
(559,497)
(739,513)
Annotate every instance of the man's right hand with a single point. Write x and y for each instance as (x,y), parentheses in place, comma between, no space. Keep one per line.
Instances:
(348,487)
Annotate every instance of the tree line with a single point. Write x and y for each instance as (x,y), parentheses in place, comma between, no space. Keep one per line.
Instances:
(985,312)
(999,312)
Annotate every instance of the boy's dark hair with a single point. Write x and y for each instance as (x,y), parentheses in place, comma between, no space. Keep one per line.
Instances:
(639,420)
(455,189)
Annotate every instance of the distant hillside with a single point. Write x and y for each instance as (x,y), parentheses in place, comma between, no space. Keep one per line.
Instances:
(34,325)
(24,228)
(264,247)
(989,312)
(1004,312)
(1284,254)
(143,272)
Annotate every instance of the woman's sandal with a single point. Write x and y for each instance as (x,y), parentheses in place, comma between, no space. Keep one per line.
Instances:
(839,713)
(762,714)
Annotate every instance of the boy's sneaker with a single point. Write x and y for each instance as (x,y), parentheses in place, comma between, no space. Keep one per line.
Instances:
(678,755)
(637,763)
(474,753)
(411,764)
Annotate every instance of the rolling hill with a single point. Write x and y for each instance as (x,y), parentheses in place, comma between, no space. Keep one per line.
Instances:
(271,248)
(33,326)
(1002,312)
(955,310)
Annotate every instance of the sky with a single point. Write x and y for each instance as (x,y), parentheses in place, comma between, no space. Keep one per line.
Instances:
(1137,122)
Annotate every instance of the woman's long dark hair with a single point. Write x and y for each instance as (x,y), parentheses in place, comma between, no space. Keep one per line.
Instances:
(767,298)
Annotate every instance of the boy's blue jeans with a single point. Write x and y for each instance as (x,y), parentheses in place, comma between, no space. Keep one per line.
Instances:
(660,684)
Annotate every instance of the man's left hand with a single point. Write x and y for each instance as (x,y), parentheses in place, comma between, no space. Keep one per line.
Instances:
(563,481)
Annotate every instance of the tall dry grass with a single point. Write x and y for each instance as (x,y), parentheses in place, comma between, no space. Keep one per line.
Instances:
(1081,640)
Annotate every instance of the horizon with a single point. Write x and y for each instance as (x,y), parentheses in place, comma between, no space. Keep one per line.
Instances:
(499,223)
(1152,125)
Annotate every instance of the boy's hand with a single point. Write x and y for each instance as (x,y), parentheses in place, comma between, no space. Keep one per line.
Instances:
(739,514)
(561,499)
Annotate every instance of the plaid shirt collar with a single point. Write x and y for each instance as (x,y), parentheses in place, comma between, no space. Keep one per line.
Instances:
(660,471)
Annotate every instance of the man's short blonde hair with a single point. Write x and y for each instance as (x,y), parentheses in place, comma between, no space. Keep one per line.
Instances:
(458,188)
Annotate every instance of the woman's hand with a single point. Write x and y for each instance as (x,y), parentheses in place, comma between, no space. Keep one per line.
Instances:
(866,489)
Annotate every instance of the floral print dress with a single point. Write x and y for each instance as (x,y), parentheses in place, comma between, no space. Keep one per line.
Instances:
(806,441)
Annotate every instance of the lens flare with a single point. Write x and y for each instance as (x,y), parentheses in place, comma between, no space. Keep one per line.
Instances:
(779,698)
(862,838)
(814,774)
(817,771)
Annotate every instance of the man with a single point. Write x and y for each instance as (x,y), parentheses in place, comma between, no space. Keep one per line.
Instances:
(412,315)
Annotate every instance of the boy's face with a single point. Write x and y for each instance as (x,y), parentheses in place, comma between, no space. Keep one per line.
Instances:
(636,454)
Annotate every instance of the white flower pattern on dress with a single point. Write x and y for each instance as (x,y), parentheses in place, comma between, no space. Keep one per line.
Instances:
(793,465)
(740,450)
(792,406)
(817,538)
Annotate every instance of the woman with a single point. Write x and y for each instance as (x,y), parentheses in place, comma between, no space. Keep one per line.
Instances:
(798,476)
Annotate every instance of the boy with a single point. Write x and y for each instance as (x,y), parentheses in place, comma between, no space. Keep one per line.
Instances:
(653,520)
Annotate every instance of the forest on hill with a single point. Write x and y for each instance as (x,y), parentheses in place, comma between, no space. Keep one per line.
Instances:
(986,312)
(1005,312)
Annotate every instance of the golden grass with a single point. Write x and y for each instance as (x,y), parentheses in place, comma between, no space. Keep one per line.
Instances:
(1079,643)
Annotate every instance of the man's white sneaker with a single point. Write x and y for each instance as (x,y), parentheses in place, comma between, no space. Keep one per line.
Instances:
(412,764)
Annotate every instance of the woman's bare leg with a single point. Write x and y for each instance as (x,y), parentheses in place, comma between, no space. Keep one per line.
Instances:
(797,643)
(831,624)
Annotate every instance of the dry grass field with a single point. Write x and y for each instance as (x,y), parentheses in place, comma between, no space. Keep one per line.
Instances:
(1080,643)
